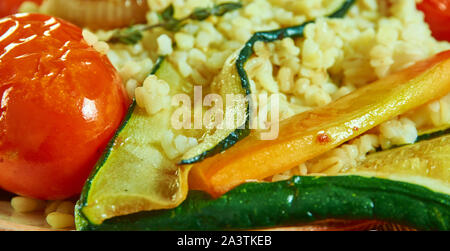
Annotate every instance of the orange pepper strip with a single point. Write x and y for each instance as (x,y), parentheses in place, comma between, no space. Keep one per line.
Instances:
(310,134)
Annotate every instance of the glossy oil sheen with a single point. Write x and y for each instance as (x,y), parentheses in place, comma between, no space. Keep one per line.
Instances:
(295,202)
(60,103)
(310,134)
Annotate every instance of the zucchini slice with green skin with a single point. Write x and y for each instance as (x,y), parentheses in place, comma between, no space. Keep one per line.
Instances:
(110,146)
(134,173)
(275,35)
(406,197)
(225,139)
(434,133)
(301,200)
(428,134)
(118,185)
(426,163)
(219,139)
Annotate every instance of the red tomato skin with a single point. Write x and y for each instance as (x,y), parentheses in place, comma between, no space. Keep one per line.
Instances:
(437,15)
(8,7)
(61,103)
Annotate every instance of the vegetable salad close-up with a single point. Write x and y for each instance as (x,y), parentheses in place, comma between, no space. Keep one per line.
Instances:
(225,115)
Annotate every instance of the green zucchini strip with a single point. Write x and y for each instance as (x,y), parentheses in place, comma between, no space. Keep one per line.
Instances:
(275,35)
(433,135)
(299,201)
(244,55)
(82,202)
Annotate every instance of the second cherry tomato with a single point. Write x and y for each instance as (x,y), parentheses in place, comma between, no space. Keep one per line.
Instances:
(437,15)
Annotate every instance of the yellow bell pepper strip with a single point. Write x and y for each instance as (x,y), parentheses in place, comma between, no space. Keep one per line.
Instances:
(310,134)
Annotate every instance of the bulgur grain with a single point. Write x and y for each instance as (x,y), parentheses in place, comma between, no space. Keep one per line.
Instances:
(335,57)
(66,207)
(52,206)
(26,205)
(59,220)
(164,45)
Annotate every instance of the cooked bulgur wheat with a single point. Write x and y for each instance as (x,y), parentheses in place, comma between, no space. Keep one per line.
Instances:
(26,205)
(335,57)
(59,220)
(59,214)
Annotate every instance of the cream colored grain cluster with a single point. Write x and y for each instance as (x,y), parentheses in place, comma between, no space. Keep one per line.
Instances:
(335,57)
(58,214)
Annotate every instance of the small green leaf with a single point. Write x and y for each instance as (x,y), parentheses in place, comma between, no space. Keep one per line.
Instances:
(201,14)
(133,34)
(222,9)
(129,36)
(168,13)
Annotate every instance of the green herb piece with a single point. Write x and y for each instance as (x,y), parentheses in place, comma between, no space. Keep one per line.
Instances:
(133,34)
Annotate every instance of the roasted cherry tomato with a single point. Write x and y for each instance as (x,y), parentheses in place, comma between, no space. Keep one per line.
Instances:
(8,7)
(437,15)
(61,102)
